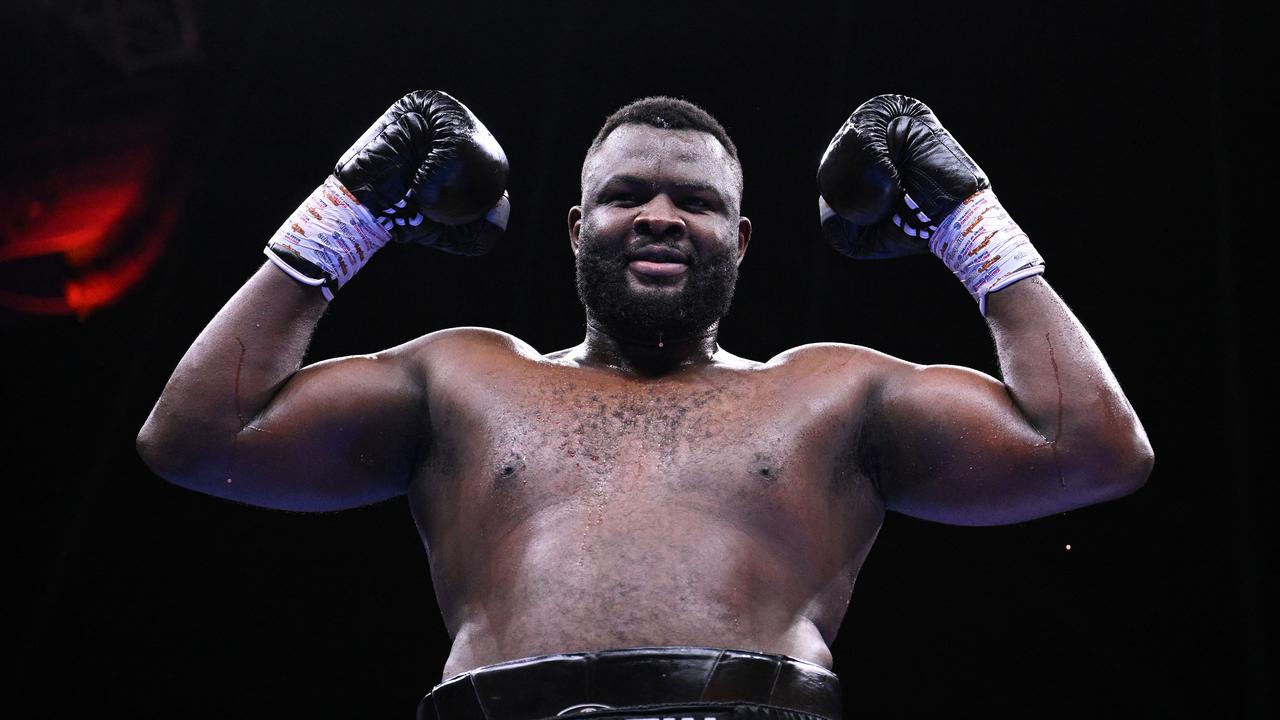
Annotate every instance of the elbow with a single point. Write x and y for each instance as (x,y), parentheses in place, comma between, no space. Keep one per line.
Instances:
(163,455)
(1144,460)
(1137,459)
(1121,467)
(151,450)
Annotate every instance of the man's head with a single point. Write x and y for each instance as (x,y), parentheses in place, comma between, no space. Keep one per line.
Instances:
(665,113)
(659,234)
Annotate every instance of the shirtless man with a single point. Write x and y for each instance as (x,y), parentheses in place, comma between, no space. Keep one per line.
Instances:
(646,524)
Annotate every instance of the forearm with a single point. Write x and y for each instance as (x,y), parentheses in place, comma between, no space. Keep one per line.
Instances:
(231,372)
(1060,381)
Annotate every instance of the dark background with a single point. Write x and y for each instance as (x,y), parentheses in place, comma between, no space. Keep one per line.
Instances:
(1125,139)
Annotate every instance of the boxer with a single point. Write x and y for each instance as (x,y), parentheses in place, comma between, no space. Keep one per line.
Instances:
(644,524)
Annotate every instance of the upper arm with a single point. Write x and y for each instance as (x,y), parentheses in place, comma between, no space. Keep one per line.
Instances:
(950,445)
(339,433)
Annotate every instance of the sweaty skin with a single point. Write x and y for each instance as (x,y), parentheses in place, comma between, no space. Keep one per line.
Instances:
(620,493)
(567,507)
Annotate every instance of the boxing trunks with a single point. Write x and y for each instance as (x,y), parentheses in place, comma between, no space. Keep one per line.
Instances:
(640,684)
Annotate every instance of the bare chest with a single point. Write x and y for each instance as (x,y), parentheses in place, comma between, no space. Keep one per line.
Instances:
(772,456)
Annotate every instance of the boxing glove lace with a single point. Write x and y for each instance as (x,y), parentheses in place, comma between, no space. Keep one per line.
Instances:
(894,182)
(427,172)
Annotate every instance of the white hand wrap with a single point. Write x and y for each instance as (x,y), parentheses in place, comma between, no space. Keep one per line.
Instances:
(984,247)
(331,231)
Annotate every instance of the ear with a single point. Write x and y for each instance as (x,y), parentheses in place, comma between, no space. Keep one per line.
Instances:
(744,237)
(575,227)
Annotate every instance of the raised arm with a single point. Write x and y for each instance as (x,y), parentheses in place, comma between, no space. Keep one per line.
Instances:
(958,446)
(947,443)
(238,418)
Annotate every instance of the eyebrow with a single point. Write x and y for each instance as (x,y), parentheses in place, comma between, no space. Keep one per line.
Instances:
(686,186)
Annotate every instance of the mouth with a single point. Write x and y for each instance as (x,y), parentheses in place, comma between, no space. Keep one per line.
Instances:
(657,269)
(658,261)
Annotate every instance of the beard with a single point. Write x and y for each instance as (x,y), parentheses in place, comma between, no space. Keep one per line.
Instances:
(646,314)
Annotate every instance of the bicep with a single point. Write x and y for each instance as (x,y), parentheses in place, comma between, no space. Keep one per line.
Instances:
(339,433)
(953,447)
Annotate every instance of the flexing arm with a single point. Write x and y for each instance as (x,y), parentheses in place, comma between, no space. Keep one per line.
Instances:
(958,446)
(948,443)
(238,419)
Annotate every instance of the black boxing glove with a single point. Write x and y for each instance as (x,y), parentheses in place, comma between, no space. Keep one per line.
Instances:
(894,182)
(428,172)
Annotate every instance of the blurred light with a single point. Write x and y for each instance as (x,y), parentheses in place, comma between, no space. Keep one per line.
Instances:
(78,237)
(78,219)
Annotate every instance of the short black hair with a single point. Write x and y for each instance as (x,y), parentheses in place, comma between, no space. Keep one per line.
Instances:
(666,113)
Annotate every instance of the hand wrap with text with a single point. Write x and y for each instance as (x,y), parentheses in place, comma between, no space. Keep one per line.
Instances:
(328,238)
(894,182)
(427,172)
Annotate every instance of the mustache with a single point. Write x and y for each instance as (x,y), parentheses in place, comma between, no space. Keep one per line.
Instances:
(659,251)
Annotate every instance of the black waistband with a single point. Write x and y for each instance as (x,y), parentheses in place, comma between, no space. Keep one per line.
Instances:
(544,686)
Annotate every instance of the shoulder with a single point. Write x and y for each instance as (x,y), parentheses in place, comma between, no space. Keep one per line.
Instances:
(876,376)
(897,388)
(839,370)
(838,355)
(461,344)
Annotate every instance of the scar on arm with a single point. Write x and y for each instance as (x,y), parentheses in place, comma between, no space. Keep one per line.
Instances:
(231,451)
(239,364)
(240,414)
(1057,433)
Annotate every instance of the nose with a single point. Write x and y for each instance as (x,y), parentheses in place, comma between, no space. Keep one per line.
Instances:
(659,218)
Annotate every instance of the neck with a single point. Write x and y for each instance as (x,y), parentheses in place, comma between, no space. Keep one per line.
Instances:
(648,355)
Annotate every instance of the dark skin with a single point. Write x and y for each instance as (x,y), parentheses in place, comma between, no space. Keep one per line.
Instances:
(622,494)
